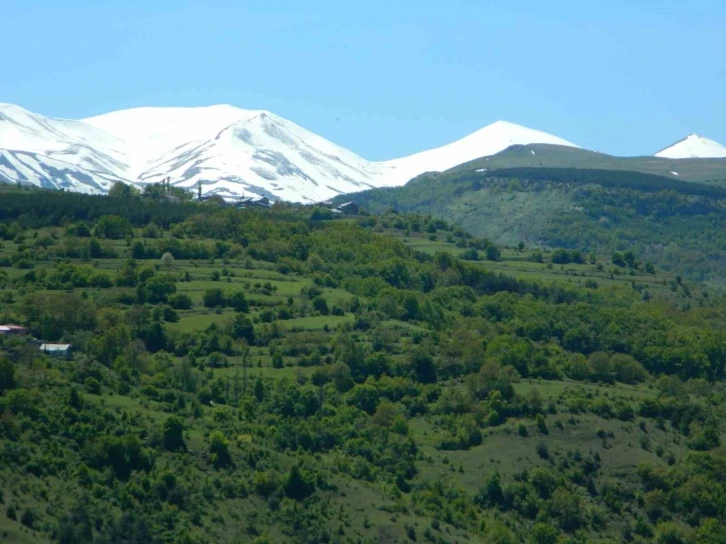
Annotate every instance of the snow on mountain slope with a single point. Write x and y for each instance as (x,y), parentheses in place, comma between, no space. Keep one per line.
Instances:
(57,152)
(232,152)
(694,147)
(487,141)
(229,151)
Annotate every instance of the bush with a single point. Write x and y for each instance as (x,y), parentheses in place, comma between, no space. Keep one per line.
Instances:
(213,298)
(28,518)
(92,386)
(321,305)
(542,450)
(180,301)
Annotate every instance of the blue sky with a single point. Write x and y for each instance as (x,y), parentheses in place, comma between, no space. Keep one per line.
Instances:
(385,78)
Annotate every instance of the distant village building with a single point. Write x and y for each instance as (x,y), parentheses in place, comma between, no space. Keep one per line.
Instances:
(12,330)
(349,208)
(253,202)
(57,350)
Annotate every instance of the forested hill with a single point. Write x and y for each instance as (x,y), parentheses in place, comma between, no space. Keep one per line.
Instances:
(677,224)
(218,375)
(708,171)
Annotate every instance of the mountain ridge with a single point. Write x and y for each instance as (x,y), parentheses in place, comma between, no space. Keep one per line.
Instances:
(236,152)
(229,150)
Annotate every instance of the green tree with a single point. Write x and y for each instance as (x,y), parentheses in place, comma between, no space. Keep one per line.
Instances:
(543,533)
(213,298)
(238,302)
(493,253)
(122,190)
(298,484)
(542,424)
(113,227)
(321,305)
(159,288)
(219,450)
(618,259)
(7,375)
(242,328)
(173,434)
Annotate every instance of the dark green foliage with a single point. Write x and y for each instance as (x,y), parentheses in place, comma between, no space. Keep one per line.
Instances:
(219,450)
(7,375)
(238,301)
(173,434)
(243,329)
(213,298)
(113,227)
(298,484)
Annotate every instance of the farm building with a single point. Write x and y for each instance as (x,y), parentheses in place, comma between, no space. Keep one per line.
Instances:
(57,350)
(12,330)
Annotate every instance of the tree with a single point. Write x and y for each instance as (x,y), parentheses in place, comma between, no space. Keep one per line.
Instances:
(180,301)
(422,364)
(159,287)
(213,298)
(167,259)
(618,259)
(242,328)
(7,375)
(113,227)
(238,301)
(122,190)
(298,484)
(321,305)
(79,229)
(543,533)
(173,434)
(219,450)
(493,253)
(541,424)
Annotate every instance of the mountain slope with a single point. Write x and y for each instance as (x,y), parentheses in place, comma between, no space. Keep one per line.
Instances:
(233,151)
(588,209)
(484,142)
(58,153)
(692,147)
(712,171)
(229,151)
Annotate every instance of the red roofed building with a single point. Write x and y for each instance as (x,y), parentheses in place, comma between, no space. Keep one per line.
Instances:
(14,330)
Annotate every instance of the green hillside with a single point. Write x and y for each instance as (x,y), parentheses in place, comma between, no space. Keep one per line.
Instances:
(709,171)
(676,224)
(260,376)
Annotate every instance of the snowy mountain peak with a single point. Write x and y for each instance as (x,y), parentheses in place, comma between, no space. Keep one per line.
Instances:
(693,146)
(489,140)
(228,150)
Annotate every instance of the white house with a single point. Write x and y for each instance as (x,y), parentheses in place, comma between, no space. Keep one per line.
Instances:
(57,350)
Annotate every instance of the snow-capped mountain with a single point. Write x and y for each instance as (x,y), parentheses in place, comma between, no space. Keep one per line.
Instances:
(694,147)
(230,151)
(486,141)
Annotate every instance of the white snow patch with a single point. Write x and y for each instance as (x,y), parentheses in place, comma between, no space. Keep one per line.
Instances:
(694,147)
(533,153)
(675,173)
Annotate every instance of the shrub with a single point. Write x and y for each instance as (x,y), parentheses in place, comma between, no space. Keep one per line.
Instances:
(542,450)
(92,386)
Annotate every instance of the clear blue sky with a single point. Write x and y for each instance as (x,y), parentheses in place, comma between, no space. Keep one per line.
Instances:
(384,78)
